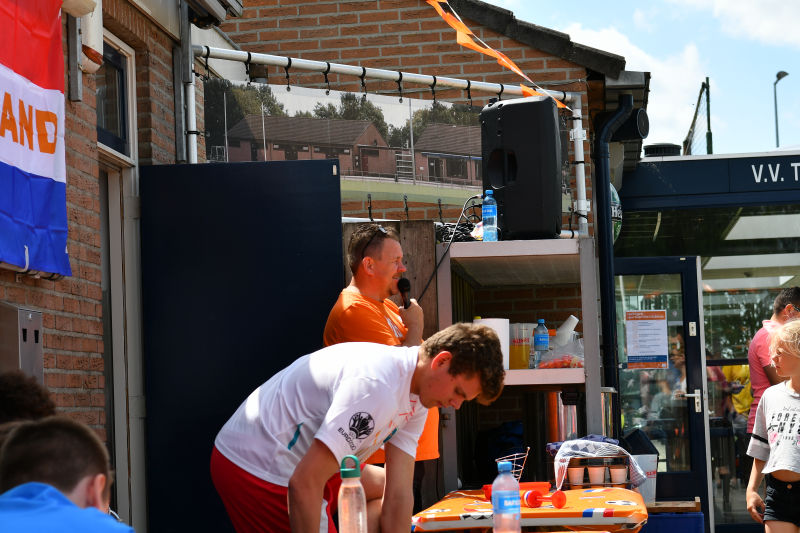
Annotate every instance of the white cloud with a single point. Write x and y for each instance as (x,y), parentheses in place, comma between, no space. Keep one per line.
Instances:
(771,22)
(674,83)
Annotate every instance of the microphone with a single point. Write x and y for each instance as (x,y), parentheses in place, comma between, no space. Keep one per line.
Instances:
(404,286)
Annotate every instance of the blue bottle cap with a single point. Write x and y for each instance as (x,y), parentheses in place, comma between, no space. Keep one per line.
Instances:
(489,192)
(504,466)
(541,321)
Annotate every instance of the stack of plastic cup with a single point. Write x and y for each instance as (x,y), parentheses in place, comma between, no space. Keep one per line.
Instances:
(564,332)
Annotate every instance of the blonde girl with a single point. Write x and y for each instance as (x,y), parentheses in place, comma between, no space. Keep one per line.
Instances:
(775,444)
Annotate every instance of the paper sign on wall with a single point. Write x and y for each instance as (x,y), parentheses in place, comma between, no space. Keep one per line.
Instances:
(646,338)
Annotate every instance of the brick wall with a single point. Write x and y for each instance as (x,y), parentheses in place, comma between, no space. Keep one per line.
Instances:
(72,309)
(553,303)
(404,35)
(155,107)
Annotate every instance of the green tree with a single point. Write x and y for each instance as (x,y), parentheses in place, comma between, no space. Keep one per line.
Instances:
(352,107)
(327,111)
(438,113)
(252,98)
(399,137)
(226,102)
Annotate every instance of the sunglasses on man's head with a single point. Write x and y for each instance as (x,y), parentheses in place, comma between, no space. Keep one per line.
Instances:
(378,229)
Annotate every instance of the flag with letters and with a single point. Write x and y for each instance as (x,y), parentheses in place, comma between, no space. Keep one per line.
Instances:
(33,203)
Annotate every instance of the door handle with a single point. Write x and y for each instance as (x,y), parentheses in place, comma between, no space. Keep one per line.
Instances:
(698,404)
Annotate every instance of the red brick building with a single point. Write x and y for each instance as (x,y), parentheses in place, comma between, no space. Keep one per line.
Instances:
(357,144)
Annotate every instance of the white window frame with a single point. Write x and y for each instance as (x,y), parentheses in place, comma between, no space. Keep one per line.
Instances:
(130,96)
(126,335)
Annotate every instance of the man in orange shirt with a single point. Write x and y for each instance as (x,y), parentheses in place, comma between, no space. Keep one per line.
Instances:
(364,312)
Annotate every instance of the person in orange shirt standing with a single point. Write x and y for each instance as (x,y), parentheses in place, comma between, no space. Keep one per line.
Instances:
(364,312)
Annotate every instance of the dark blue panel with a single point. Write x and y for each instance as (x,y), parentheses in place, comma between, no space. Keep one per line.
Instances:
(672,522)
(241,264)
(712,181)
(667,178)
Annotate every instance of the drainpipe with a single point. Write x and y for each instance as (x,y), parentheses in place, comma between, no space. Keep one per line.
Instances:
(605,242)
(187,79)
(582,206)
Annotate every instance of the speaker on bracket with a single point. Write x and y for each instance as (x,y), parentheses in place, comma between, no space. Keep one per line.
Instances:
(522,161)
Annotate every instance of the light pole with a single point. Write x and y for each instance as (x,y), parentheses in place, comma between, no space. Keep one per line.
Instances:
(778,77)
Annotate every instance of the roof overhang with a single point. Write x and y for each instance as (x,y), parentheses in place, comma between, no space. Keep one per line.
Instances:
(713,181)
(538,37)
(206,13)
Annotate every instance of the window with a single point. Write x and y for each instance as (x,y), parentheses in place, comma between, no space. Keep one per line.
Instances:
(435,169)
(111,104)
(457,168)
(116,106)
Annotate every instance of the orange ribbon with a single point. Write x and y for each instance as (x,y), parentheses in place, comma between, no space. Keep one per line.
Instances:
(466,38)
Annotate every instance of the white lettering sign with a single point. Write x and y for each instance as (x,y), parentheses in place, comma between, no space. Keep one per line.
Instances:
(774,172)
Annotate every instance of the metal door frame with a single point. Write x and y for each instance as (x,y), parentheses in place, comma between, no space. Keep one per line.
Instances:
(691,289)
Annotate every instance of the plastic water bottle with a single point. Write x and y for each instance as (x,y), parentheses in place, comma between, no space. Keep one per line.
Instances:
(489,215)
(352,502)
(541,342)
(505,500)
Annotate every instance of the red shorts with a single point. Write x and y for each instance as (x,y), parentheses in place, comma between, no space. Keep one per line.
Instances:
(255,505)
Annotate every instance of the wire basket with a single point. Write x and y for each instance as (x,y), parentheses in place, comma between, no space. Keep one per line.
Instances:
(517,461)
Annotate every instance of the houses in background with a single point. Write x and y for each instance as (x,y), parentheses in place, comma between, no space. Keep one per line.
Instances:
(444,152)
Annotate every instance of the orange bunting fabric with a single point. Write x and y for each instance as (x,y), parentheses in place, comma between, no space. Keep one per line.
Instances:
(467,39)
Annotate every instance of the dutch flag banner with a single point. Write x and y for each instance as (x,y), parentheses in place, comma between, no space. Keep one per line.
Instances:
(33,203)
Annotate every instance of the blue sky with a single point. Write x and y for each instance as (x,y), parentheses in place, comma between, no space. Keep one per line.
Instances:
(739,44)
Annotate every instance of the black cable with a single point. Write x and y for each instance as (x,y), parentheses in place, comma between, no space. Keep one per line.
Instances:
(327,70)
(446,250)
(400,85)
(286,68)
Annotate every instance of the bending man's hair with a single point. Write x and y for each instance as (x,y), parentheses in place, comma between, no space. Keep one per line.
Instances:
(476,351)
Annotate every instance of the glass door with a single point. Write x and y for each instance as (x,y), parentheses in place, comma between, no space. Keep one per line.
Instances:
(662,370)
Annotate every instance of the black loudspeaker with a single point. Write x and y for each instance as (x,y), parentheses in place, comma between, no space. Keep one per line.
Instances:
(522,156)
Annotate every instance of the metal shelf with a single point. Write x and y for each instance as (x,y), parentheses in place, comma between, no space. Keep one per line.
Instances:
(528,263)
(545,376)
(540,262)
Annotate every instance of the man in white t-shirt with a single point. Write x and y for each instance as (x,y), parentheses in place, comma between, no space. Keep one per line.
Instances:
(273,459)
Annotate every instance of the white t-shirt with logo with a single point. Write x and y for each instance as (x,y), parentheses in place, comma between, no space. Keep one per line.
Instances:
(776,433)
(353,397)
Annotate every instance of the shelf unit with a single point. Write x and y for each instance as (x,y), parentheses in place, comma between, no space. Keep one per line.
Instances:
(534,262)
(546,376)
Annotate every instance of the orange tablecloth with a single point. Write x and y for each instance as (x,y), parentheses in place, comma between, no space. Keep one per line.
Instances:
(606,509)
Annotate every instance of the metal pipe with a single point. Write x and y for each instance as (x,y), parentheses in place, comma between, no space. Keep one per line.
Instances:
(580,167)
(411,143)
(778,77)
(191,122)
(605,241)
(709,141)
(372,73)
